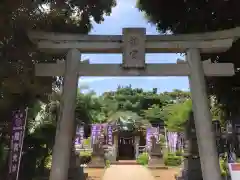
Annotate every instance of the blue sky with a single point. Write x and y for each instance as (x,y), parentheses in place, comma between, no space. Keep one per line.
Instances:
(126,15)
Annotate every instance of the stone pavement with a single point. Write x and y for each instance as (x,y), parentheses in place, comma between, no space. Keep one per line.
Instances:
(127,172)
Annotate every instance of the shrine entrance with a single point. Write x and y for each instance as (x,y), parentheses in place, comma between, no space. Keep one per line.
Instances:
(126,149)
(133,45)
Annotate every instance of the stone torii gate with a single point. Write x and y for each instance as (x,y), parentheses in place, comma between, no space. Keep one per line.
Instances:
(133,45)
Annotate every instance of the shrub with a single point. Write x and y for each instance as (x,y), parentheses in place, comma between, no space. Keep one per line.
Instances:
(223,167)
(143,159)
(48,162)
(3,155)
(109,154)
(107,163)
(169,154)
(85,157)
(162,139)
(179,153)
(170,159)
(87,141)
(85,153)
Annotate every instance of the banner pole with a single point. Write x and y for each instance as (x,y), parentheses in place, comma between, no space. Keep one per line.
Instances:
(166,139)
(23,136)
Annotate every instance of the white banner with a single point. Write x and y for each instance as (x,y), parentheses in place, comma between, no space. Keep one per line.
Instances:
(234,169)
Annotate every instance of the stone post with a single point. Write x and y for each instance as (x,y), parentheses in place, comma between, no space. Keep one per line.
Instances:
(191,166)
(98,154)
(136,143)
(156,156)
(202,117)
(63,141)
(115,141)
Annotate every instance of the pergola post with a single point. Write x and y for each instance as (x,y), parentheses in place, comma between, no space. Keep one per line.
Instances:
(202,117)
(63,141)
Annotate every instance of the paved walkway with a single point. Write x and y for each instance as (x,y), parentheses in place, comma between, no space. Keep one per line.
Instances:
(127,172)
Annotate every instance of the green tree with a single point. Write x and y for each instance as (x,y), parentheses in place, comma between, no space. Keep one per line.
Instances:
(19,87)
(177,95)
(127,121)
(176,115)
(217,111)
(147,104)
(134,99)
(193,16)
(89,108)
(154,113)
(42,124)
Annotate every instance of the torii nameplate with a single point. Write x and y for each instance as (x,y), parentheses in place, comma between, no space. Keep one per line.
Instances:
(134,47)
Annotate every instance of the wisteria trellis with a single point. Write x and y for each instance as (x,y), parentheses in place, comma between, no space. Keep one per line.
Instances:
(152,131)
(172,138)
(79,135)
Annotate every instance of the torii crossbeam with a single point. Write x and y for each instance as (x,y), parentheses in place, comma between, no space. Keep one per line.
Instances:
(179,69)
(134,44)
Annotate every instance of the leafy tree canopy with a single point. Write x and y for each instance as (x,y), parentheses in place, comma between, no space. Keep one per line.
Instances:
(188,16)
(127,121)
(192,16)
(19,86)
(177,114)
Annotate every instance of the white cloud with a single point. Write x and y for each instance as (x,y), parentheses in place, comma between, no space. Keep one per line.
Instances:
(185,89)
(85,80)
(123,7)
(93,79)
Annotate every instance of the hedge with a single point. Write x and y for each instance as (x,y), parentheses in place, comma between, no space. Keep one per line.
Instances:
(171,159)
(143,159)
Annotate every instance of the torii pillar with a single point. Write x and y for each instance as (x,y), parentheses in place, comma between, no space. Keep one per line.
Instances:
(203,118)
(65,127)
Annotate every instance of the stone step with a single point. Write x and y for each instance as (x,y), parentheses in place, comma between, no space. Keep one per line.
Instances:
(96,162)
(125,162)
(158,167)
